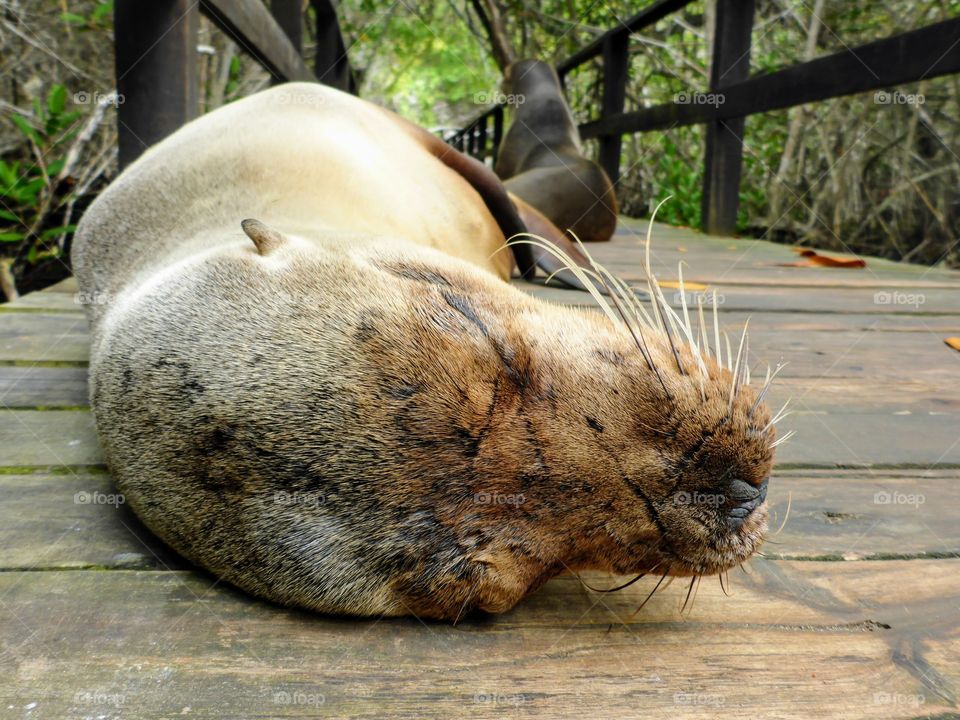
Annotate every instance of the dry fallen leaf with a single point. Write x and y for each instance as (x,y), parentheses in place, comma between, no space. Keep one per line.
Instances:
(953,342)
(687,285)
(815,259)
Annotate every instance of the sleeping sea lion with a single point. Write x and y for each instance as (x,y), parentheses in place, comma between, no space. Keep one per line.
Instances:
(310,377)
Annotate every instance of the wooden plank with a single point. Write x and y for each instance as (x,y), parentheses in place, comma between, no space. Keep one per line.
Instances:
(615,71)
(43,387)
(796,640)
(155,48)
(251,25)
(921,54)
(44,438)
(34,336)
(73,519)
(854,515)
(723,155)
(289,16)
(59,302)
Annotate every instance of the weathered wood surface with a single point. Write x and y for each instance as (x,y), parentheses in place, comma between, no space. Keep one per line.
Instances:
(854,611)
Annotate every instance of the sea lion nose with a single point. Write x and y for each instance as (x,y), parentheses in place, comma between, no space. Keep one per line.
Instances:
(742,499)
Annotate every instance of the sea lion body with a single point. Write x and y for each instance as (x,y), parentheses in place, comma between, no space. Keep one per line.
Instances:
(345,408)
(541,161)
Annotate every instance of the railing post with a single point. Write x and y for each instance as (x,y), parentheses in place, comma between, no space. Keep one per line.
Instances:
(155,47)
(615,57)
(482,138)
(497,131)
(331,66)
(289,16)
(723,157)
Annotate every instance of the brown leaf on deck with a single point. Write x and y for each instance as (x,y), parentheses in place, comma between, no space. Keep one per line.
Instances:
(815,259)
(953,342)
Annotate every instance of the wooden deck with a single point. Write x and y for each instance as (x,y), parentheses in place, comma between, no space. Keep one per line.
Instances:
(853,613)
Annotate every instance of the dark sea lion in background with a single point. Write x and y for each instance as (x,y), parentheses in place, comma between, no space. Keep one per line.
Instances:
(540,159)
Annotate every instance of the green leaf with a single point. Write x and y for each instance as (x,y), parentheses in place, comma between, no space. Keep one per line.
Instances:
(26,128)
(11,237)
(73,18)
(57,231)
(7,215)
(57,99)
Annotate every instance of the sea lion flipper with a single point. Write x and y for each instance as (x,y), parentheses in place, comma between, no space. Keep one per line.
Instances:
(538,224)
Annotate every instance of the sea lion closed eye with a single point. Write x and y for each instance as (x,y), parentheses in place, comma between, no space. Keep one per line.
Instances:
(343,406)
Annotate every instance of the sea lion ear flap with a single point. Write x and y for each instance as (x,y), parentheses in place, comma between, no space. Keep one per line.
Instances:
(264,237)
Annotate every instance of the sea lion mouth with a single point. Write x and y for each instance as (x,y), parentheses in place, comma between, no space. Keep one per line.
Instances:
(747,499)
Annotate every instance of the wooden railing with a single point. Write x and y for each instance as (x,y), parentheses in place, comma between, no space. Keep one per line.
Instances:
(156,57)
(907,57)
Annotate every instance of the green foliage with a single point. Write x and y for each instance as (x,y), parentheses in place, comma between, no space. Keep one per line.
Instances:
(99,18)
(28,195)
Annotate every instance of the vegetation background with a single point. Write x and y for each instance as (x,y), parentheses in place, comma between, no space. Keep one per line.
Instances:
(874,174)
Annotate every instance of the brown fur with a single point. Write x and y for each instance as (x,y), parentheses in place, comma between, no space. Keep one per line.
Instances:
(362,425)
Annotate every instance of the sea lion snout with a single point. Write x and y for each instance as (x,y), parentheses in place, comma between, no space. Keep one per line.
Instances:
(742,499)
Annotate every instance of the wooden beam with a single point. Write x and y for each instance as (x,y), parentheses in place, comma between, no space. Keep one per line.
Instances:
(723,157)
(289,16)
(615,70)
(331,65)
(921,54)
(255,30)
(497,131)
(482,137)
(156,70)
(648,16)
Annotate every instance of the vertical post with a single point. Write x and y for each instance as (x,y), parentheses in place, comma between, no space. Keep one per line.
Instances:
(472,139)
(615,55)
(497,131)
(723,159)
(331,66)
(289,16)
(155,46)
(482,138)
